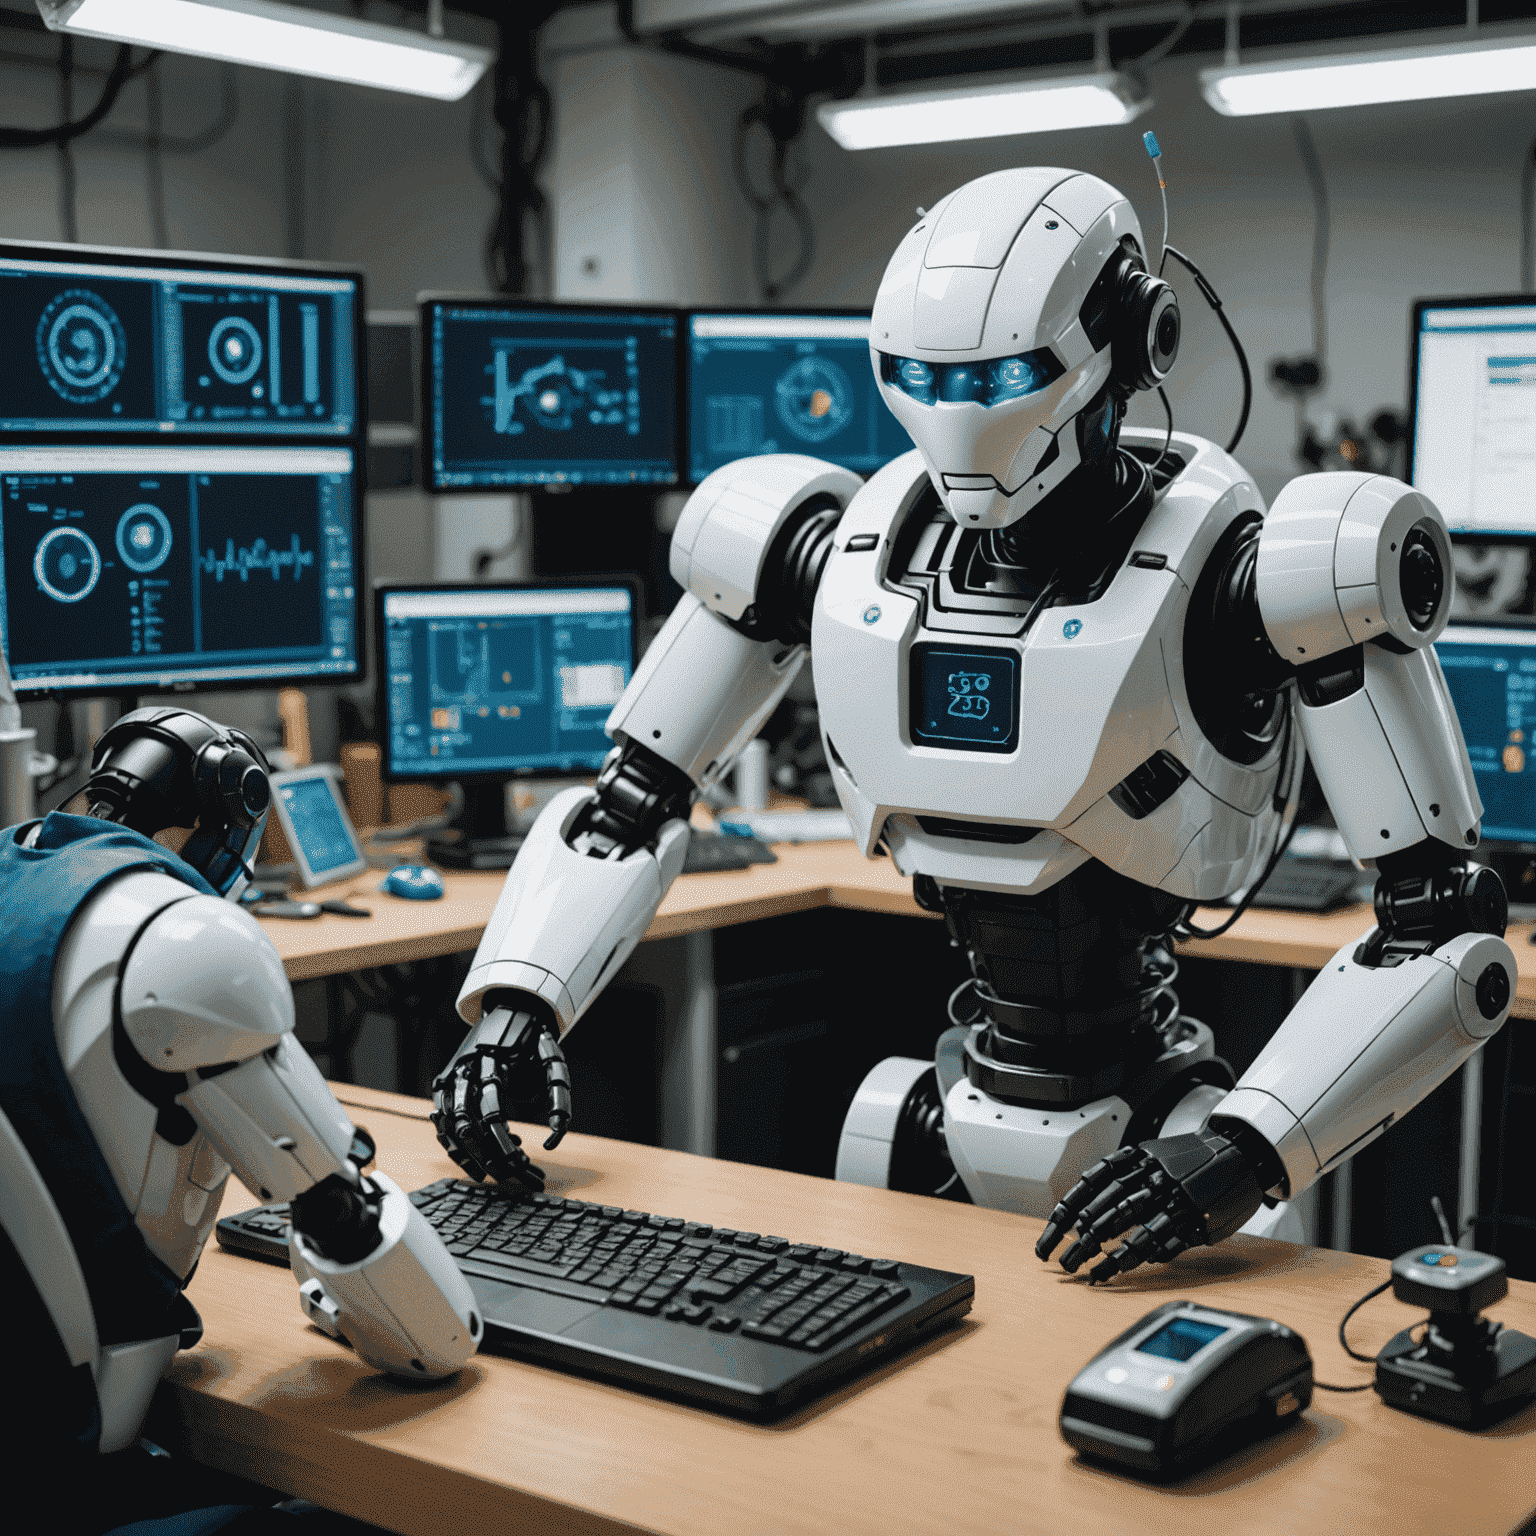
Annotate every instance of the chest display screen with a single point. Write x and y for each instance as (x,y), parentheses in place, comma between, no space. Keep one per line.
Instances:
(1181,1339)
(964,698)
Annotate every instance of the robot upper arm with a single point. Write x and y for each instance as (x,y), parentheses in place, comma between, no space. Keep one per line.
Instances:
(1353,582)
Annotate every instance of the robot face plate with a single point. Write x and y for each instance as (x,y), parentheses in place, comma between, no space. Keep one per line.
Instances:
(977,336)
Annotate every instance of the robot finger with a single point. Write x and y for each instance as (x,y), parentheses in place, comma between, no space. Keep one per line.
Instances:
(1069,1212)
(515,1163)
(1138,1206)
(557,1084)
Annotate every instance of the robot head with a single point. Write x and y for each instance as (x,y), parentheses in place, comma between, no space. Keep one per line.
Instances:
(1011,326)
(160,768)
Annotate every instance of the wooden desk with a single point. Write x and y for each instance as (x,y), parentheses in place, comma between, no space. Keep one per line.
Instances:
(960,1437)
(806,877)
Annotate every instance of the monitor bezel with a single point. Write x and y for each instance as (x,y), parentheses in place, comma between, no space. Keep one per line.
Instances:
(632,584)
(1415,330)
(180,687)
(425,301)
(685,375)
(130,256)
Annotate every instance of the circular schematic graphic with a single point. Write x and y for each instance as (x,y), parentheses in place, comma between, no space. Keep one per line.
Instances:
(81,346)
(67,565)
(234,349)
(143,538)
(814,399)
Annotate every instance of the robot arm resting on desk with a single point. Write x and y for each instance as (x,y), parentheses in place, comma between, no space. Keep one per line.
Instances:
(748,551)
(1352,586)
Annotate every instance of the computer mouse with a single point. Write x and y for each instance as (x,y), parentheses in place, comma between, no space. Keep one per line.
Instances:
(415,882)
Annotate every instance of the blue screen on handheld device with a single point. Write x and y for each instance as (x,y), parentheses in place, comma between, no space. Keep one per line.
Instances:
(1180,1339)
(319,825)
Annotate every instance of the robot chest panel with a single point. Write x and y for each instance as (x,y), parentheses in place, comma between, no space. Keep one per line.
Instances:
(959,713)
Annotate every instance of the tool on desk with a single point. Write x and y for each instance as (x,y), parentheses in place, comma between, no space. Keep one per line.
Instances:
(415,882)
(314,819)
(1184,1385)
(825,826)
(712,851)
(1463,1368)
(282,908)
(721,1318)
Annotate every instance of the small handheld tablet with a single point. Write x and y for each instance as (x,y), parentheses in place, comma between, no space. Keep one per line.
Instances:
(314,819)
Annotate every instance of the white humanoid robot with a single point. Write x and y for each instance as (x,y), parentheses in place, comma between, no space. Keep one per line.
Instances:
(1067,675)
(150,1051)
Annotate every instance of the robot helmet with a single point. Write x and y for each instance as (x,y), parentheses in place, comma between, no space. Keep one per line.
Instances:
(1018,307)
(159,768)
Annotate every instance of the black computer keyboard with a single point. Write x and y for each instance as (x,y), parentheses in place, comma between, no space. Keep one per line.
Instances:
(729,1319)
(1312,885)
(709,852)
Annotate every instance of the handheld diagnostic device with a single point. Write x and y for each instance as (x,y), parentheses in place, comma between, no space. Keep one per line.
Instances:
(1186,1384)
(314,819)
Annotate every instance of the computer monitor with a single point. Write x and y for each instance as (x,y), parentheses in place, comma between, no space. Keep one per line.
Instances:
(134,569)
(1472,405)
(526,395)
(480,684)
(116,342)
(1491,674)
(785,382)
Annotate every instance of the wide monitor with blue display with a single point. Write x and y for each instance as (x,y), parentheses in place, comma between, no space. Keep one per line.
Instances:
(1491,674)
(772,382)
(131,569)
(120,342)
(1473,410)
(524,395)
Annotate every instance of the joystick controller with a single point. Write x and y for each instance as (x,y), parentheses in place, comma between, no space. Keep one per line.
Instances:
(1464,1368)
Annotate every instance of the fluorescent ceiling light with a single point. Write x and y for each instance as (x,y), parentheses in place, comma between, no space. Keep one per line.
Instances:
(271,35)
(982,111)
(1477,68)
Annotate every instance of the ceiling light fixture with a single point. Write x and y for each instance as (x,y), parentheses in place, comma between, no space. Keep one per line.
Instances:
(1479,67)
(983,111)
(270,35)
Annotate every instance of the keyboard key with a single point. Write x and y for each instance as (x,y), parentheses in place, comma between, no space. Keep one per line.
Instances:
(854,1263)
(723,1323)
(716,1290)
(801,1251)
(773,1244)
(749,1238)
(611,1211)
(697,1314)
(886,1269)
(676,1313)
(851,1320)
(828,1256)
(647,1304)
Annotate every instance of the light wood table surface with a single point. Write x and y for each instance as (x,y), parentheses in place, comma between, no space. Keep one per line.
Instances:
(807,877)
(960,1436)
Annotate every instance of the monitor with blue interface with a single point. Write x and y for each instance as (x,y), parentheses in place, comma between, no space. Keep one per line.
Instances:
(524,395)
(120,342)
(1491,674)
(786,383)
(502,681)
(1473,405)
(130,569)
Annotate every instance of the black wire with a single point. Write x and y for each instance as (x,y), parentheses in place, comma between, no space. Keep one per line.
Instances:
(782,116)
(1211,298)
(1162,395)
(1528,219)
(1354,1354)
(66,130)
(1495,1217)
(1165,44)
(1322,225)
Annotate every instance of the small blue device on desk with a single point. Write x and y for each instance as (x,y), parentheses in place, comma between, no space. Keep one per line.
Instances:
(415,882)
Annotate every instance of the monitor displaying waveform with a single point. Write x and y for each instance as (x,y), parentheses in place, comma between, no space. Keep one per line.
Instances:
(130,569)
(529,394)
(260,556)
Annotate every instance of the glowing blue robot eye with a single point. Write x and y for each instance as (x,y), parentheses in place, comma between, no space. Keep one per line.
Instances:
(987,383)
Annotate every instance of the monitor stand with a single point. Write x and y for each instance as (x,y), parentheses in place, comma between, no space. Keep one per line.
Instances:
(477,837)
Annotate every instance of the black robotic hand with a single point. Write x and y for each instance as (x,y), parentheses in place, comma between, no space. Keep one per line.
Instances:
(512,1063)
(1176,1193)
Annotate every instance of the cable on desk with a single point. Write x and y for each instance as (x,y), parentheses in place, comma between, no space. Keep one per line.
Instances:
(1354,1354)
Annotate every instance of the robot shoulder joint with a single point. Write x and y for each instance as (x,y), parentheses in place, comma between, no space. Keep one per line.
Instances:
(1345,558)
(203,985)
(728,538)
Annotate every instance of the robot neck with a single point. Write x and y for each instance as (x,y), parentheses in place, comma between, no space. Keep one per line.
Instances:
(1082,524)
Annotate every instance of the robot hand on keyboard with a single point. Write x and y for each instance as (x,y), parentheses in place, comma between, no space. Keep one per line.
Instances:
(1068,675)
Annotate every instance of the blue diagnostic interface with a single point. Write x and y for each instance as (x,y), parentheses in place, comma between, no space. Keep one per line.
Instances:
(143,568)
(502,681)
(786,383)
(530,396)
(96,346)
(1491,675)
(1181,1339)
(965,699)
(319,825)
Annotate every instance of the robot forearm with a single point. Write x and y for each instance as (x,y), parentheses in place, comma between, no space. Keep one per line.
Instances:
(1364,1045)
